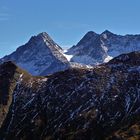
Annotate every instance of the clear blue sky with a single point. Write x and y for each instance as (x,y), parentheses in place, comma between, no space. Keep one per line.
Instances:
(65,20)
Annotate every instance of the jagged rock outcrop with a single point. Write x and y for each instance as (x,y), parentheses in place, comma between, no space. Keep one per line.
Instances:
(79,103)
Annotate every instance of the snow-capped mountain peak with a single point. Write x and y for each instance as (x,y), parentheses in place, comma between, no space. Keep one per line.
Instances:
(48,40)
(40,55)
(107,32)
(99,48)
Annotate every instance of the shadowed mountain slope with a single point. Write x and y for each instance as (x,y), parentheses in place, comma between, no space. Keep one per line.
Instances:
(99,103)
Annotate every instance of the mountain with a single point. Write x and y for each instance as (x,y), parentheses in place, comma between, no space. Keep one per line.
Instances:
(100,103)
(40,56)
(96,48)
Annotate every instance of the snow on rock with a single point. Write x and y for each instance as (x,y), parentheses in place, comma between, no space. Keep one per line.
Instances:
(74,103)
(95,48)
(107,59)
(40,56)
(67,56)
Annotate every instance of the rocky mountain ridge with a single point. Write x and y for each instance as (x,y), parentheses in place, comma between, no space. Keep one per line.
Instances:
(99,103)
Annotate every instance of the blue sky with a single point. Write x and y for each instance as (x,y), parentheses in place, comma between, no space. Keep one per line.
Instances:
(65,20)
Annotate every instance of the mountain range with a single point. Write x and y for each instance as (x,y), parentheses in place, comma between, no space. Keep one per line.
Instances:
(99,103)
(42,56)
(96,48)
(89,92)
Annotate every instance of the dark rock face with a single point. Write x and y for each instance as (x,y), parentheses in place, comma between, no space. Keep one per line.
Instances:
(94,104)
(9,75)
(39,56)
(99,48)
(127,59)
(6,75)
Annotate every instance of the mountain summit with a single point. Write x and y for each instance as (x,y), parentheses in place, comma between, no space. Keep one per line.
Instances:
(40,56)
(96,48)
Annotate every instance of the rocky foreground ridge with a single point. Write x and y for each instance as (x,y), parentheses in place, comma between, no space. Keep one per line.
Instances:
(99,103)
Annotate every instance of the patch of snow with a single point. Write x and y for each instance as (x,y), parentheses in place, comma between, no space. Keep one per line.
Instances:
(133,69)
(67,55)
(107,59)
(29,102)
(104,36)
(84,59)
(44,80)
(103,46)
(21,75)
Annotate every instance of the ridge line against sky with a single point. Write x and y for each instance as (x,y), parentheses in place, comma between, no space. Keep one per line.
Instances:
(65,21)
